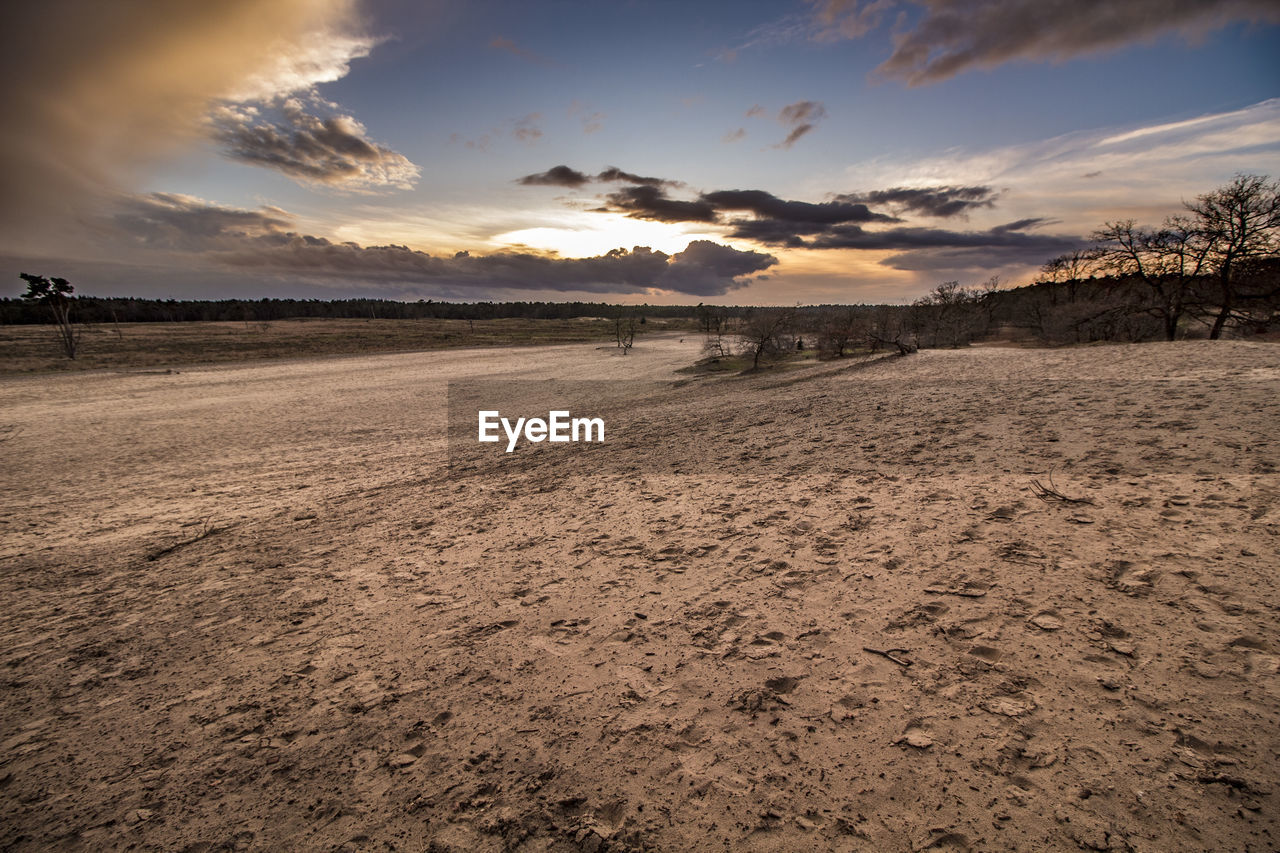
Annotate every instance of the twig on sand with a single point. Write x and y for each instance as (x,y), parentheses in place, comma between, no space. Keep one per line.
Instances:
(206,530)
(889,653)
(1050,493)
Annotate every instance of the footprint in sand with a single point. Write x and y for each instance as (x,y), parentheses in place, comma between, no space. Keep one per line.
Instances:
(986,653)
(1008,706)
(916,736)
(1047,620)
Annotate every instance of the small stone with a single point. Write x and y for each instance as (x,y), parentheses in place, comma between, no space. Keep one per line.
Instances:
(404,759)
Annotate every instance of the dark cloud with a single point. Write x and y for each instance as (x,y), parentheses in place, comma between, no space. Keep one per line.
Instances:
(260,240)
(1023,224)
(650,202)
(775,232)
(1006,239)
(556,176)
(941,202)
(563,176)
(769,206)
(848,221)
(951,36)
(950,261)
(184,223)
(332,150)
(613,174)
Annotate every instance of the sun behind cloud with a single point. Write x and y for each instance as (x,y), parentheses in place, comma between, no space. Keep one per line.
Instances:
(600,234)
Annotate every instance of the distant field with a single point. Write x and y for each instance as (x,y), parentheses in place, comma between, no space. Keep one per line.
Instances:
(25,349)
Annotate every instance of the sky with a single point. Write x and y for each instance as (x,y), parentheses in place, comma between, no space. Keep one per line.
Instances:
(768,153)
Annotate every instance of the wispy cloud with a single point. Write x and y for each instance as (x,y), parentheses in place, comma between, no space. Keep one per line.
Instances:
(526,129)
(946,37)
(798,118)
(592,120)
(505,44)
(1086,177)
(939,202)
(801,117)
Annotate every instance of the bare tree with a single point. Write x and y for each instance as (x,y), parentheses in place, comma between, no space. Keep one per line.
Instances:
(55,293)
(841,328)
(624,329)
(764,332)
(1240,224)
(887,327)
(948,316)
(1168,261)
(718,328)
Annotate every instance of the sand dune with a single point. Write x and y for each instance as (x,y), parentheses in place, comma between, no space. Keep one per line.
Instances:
(249,607)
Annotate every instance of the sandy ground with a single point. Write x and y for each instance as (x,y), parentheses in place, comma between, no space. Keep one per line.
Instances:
(250,607)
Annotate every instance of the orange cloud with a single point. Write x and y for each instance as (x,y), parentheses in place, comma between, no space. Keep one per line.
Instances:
(97,92)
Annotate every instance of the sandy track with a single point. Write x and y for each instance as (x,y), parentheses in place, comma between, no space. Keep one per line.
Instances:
(363,652)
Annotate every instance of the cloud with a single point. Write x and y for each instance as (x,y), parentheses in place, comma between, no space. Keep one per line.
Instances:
(941,202)
(801,112)
(1147,169)
(801,117)
(613,173)
(769,206)
(219,237)
(650,202)
(503,43)
(556,176)
(332,151)
(847,19)
(592,120)
(947,37)
(98,93)
(848,221)
(1009,235)
(794,135)
(563,176)
(179,222)
(734,135)
(527,130)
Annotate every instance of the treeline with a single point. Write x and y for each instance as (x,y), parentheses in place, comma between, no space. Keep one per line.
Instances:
(97,309)
(1071,311)
(1134,308)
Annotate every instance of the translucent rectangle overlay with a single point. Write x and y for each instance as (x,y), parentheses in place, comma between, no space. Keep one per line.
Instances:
(775,425)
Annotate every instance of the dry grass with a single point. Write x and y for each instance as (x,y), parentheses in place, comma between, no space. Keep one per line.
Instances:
(26,349)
